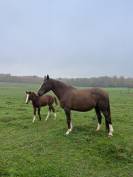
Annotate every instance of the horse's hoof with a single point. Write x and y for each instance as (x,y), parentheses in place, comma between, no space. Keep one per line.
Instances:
(98,127)
(68,131)
(66,134)
(110,135)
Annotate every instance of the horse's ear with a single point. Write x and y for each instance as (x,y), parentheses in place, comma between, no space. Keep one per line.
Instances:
(47,77)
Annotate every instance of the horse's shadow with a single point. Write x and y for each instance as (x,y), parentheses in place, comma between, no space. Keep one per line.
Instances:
(85,130)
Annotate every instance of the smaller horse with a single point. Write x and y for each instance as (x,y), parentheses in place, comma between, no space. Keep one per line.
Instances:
(39,101)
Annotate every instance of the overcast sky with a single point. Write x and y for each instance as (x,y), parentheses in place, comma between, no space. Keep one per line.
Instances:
(66,38)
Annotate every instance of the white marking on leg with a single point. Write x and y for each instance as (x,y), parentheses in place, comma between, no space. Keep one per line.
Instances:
(111,127)
(71,126)
(27,98)
(34,118)
(47,116)
(111,130)
(70,129)
(55,115)
(98,127)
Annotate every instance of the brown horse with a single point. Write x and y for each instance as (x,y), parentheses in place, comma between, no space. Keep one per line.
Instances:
(79,100)
(38,102)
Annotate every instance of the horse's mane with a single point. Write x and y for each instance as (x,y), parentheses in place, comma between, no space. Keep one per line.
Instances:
(62,84)
(34,94)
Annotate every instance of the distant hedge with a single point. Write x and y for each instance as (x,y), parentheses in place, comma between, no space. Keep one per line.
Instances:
(80,82)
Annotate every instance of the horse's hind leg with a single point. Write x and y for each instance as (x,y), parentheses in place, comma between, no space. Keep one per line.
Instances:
(53,109)
(49,111)
(108,122)
(99,117)
(69,121)
(39,113)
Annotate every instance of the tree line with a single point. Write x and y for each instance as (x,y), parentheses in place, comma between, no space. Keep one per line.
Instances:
(104,81)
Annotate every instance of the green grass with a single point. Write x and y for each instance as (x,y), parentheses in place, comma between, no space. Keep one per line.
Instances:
(42,150)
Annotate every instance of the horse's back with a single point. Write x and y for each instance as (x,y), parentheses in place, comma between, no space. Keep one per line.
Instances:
(99,92)
(99,95)
(46,100)
(90,92)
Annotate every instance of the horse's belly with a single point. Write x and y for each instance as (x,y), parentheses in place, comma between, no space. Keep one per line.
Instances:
(43,104)
(82,105)
(78,102)
(82,109)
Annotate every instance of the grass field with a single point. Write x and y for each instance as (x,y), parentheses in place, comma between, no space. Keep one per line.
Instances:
(42,150)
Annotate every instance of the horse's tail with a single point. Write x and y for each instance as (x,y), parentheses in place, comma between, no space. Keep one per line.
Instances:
(108,109)
(108,121)
(55,100)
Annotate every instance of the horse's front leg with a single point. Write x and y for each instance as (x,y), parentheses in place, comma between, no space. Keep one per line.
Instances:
(39,113)
(69,121)
(34,118)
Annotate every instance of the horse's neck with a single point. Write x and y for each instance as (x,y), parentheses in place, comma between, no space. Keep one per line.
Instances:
(60,88)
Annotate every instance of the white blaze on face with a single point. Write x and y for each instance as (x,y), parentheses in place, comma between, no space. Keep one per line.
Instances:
(27,98)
